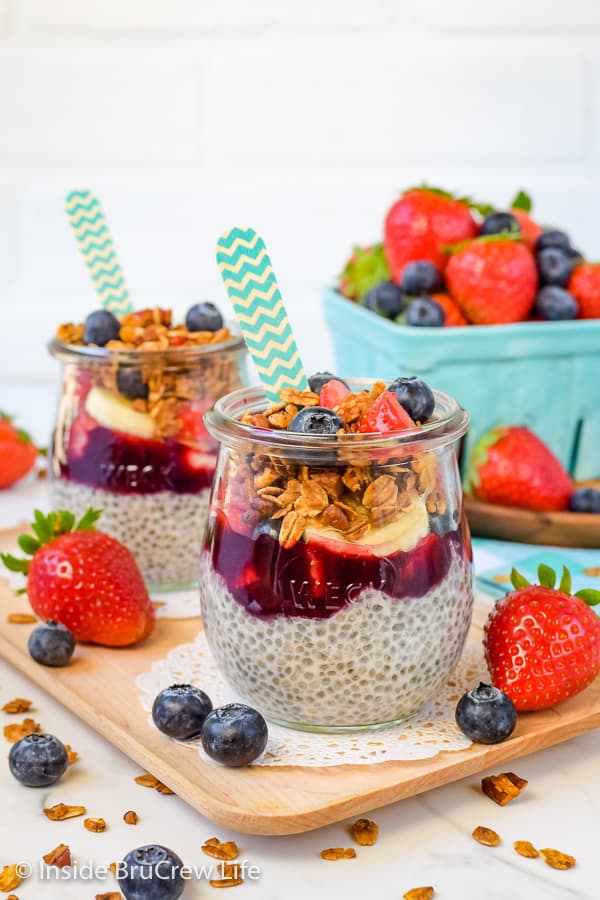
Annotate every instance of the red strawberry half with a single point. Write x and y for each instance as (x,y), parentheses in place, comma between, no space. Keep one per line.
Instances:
(543,645)
(84,579)
(513,467)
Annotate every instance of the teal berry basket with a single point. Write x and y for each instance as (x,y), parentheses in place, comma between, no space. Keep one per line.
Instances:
(545,375)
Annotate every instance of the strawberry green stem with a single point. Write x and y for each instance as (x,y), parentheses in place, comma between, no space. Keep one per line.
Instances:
(46,529)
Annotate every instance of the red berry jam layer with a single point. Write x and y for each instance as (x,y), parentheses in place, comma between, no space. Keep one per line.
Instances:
(317,577)
(123,463)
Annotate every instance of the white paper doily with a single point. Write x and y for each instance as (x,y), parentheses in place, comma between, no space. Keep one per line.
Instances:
(168,605)
(430,732)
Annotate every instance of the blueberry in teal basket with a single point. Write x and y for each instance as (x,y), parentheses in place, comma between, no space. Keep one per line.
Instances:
(554,266)
(415,396)
(386,299)
(486,715)
(555,303)
(151,872)
(421,277)
(131,384)
(38,760)
(320,379)
(100,327)
(179,711)
(234,735)
(203,317)
(315,420)
(425,312)
(499,223)
(552,237)
(51,644)
(585,500)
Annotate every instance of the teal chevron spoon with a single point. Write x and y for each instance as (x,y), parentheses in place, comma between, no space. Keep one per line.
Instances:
(95,242)
(253,290)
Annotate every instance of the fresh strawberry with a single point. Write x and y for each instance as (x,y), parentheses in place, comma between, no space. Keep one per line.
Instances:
(521,209)
(385,415)
(493,279)
(84,579)
(513,467)
(332,393)
(421,223)
(543,645)
(454,315)
(584,284)
(17,452)
(366,268)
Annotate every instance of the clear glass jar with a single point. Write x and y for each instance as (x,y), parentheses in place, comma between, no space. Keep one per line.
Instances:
(335,583)
(147,463)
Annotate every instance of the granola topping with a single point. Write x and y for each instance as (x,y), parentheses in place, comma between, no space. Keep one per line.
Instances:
(486,836)
(226,851)
(95,825)
(230,876)
(365,832)
(130,817)
(556,859)
(503,788)
(16,706)
(9,878)
(526,848)
(21,618)
(334,853)
(60,811)
(151,781)
(15,732)
(59,857)
(419,893)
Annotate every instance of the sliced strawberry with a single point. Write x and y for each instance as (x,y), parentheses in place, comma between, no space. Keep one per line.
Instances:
(333,393)
(385,415)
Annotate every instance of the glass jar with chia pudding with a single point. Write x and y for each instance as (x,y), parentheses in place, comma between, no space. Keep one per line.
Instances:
(129,436)
(335,583)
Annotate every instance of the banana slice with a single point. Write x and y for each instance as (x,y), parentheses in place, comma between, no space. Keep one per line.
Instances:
(115,412)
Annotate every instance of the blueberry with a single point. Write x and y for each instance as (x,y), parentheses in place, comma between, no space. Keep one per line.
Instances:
(443,523)
(421,278)
(386,299)
(234,735)
(151,873)
(38,760)
(131,384)
(315,420)
(554,266)
(553,302)
(415,396)
(486,715)
(51,644)
(425,311)
(267,528)
(203,317)
(585,500)
(500,222)
(179,711)
(552,237)
(320,379)
(100,327)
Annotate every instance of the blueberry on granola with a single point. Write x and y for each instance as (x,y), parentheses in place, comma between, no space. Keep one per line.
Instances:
(234,735)
(38,760)
(51,644)
(131,384)
(316,420)
(100,327)
(179,711)
(317,381)
(151,872)
(203,317)
(415,396)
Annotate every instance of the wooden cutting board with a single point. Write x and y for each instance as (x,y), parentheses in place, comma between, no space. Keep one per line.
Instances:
(99,687)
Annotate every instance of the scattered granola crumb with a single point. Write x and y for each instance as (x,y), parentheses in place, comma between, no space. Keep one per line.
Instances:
(151,781)
(59,857)
(556,859)
(111,895)
(21,618)
(230,876)
(9,878)
(501,579)
(16,706)
(593,571)
(72,755)
(112,868)
(419,893)
(503,788)
(526,848)
(130,817)
(95,825)
(224,851)
(365,832)
(15,732)
(486,836)
(338,853)
(60,811)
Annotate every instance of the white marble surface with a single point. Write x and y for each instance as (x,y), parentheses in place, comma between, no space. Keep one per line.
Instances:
(422,841)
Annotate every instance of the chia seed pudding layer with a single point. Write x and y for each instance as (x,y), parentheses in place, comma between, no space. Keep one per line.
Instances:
(376,660)
(163,529)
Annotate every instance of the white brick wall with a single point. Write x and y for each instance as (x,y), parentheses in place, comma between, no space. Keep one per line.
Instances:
(303,119)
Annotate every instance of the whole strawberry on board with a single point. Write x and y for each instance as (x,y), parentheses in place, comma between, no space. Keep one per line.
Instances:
(542,644)
(584,285)
(511,466)
(421,224)
(493,279)
(18,453)
(84,579)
